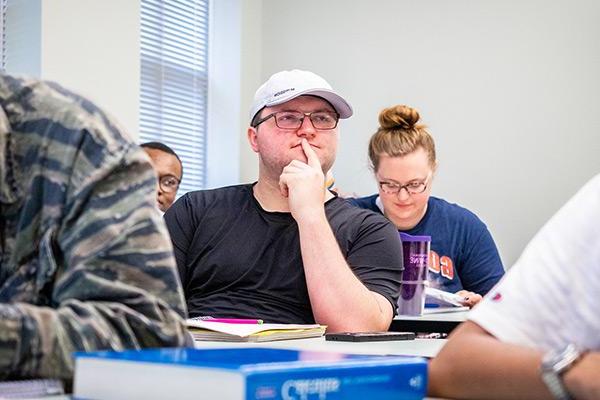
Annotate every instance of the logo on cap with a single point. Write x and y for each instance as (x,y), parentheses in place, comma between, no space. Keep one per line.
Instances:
(283,91)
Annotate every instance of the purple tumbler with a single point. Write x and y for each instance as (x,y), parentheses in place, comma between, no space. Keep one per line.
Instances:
(414,277)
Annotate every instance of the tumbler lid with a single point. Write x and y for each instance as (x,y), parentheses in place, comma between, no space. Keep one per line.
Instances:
(413,238)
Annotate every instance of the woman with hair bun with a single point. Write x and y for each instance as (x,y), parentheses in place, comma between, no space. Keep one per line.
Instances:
(463,258)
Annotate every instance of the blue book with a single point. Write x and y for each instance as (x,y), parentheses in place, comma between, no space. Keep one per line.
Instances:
(246,373)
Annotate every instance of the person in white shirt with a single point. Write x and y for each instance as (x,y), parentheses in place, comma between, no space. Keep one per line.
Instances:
(537,333)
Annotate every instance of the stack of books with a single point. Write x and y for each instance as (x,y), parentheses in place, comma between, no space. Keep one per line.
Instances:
(246,373)
(233,331)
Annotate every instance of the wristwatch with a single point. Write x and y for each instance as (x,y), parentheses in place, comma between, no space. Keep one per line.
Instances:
(554,365)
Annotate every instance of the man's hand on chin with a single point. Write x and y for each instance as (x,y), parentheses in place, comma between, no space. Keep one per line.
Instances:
(304,185)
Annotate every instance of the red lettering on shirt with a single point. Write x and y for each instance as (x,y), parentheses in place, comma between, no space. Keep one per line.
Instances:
(447,267)
(434,262)
(441,265)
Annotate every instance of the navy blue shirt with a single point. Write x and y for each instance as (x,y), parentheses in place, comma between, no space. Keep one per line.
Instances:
(463,254)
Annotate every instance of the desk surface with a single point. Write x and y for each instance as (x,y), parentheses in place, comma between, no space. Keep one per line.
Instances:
(418,347)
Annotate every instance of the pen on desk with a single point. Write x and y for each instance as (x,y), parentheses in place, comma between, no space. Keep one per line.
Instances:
(231,320)
(237,320)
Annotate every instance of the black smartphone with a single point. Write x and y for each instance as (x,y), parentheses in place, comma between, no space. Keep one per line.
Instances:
(369,336)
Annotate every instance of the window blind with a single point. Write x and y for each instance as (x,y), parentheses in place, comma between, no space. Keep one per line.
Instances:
(174,82)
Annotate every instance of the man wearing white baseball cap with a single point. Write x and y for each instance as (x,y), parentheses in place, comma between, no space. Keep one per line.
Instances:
(285,249)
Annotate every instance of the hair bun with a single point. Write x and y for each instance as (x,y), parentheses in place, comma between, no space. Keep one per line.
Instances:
(398,117)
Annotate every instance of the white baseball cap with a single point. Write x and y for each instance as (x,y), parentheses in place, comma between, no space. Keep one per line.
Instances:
(287,85)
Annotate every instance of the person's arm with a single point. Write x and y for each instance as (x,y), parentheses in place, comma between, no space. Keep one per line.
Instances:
(582,381)
(107,269)
(338,298)
(476,365)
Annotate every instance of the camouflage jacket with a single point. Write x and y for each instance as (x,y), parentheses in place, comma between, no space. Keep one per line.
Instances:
(85,259)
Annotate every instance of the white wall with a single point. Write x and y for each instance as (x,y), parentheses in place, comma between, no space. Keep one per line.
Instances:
(509,89)
(88,46)
(251,79)
(224,93)
(93,48)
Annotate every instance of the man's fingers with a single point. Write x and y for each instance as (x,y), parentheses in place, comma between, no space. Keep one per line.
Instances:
(469,298)
(311,156)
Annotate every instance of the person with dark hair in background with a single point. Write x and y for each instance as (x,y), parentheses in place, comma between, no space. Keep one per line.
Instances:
(285,249)
(535,335)
(169,169)
(85,259)
(463,256)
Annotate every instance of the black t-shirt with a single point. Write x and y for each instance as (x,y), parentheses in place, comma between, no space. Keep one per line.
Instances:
(237,260)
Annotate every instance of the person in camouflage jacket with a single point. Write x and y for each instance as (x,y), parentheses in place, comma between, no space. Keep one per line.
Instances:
(85,259)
